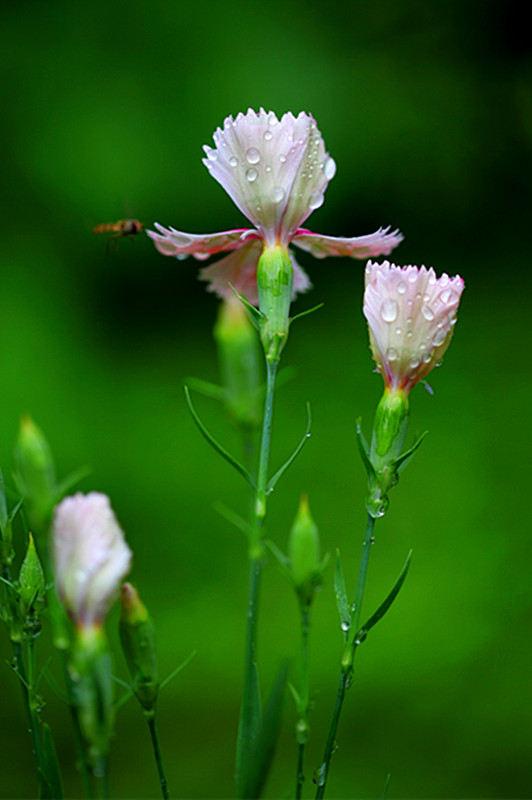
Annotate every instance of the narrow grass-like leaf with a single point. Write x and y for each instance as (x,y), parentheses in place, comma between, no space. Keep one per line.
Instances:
(344,609)
(178,669)
(364,450)
(206,388)
(215,445)
(282,470)
(263,751)
(3,505)
(383,608)
(401,462)
(255,315)
(53,787)
(386,786)
(282,559)
(307,312)
(234,518)
(71,480)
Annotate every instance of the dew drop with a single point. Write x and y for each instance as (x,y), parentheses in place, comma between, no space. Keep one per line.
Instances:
(330,168)
(345,626)
(252,174)
(439,337)
(412,275)
(427,357)
(282,158)
(278,194)
(414,362)
(252,155)
(233,161)
(212,155)
(316,199)
(268,168)
(427,312)
(268,135)
(391,354)
(401,287)
(180,240)
(398,331)
(449,296)
(389,310)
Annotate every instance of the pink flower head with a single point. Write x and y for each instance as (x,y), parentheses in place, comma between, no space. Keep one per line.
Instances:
(90,557)
(411,314)
(276,172)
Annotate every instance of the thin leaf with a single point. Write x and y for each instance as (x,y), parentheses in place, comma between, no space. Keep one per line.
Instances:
(294,455)
(295,695)
(383,608)
(178,669)
(364,450)
(53,788)
(254,313)
(231,516)
(215,445)
(344,609)
(3,506)
(386,786)
(71,480)
(282,559)
(401,462)
(263,751)
(206,388)
(307,312)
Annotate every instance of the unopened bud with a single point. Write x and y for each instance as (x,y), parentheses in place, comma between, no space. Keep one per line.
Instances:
(304,553)
(275,277)
(240,362)
(137,637)
(31,579)
(35,475)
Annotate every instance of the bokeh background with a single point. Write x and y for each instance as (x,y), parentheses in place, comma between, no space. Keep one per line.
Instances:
(427,109)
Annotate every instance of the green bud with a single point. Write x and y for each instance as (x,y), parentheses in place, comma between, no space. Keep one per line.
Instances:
(240,363)
(389,431)
(304,553)
(138,643)
(35,475)
(31,579)
(91,680)
(275,277)
(6,531)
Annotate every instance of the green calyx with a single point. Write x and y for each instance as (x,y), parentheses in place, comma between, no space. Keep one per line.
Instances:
(275,277)
(137,637)
(306,567)
(31,579)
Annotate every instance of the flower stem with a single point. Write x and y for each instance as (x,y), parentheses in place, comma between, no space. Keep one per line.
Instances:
(250,708)
(347,660)
(30,711)
(304,691)
(150,718)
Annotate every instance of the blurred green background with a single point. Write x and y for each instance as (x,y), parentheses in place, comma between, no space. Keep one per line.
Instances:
(427,109)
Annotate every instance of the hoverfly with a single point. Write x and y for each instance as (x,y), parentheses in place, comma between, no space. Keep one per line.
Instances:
(120,229)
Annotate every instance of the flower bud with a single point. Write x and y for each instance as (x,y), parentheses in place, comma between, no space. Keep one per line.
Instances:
(240,363)
(304,553)
(91,557)
(275,275)
(137,637)
(31,579)
(35,475)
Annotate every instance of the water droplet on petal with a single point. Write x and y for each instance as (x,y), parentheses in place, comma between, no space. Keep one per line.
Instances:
(268,135)
(427,357)
(180,240)
(212,154)
(282,158)
(398,331)
(427,312)
(330,168)
(401,287)
(278,194)
(252,174)
(449,296)
(439,337)
(316,199)
(389,310)
(391,354)
(414,362)
(233,161)
(252,155)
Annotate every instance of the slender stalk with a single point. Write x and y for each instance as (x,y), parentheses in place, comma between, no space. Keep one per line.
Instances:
(150,718)
(100,773)
(30,711)
(83,762)
(347,660)
(248,711)
(304,692)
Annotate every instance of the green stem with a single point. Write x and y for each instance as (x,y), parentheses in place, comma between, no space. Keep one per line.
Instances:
(33,722)
(157,753)
(347,660)
(304,692)
(250,708)
(86,772)
(100,773)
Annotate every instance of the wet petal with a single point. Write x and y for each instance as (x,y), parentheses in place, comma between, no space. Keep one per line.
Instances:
(275,171)
(239,270)
(380,243)
(170,242)
(411,315)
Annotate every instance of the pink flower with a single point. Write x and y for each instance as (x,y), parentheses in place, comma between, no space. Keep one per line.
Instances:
(411,314)
(90,557)
(276,173)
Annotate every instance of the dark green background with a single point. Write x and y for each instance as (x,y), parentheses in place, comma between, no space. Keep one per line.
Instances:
(427,109)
